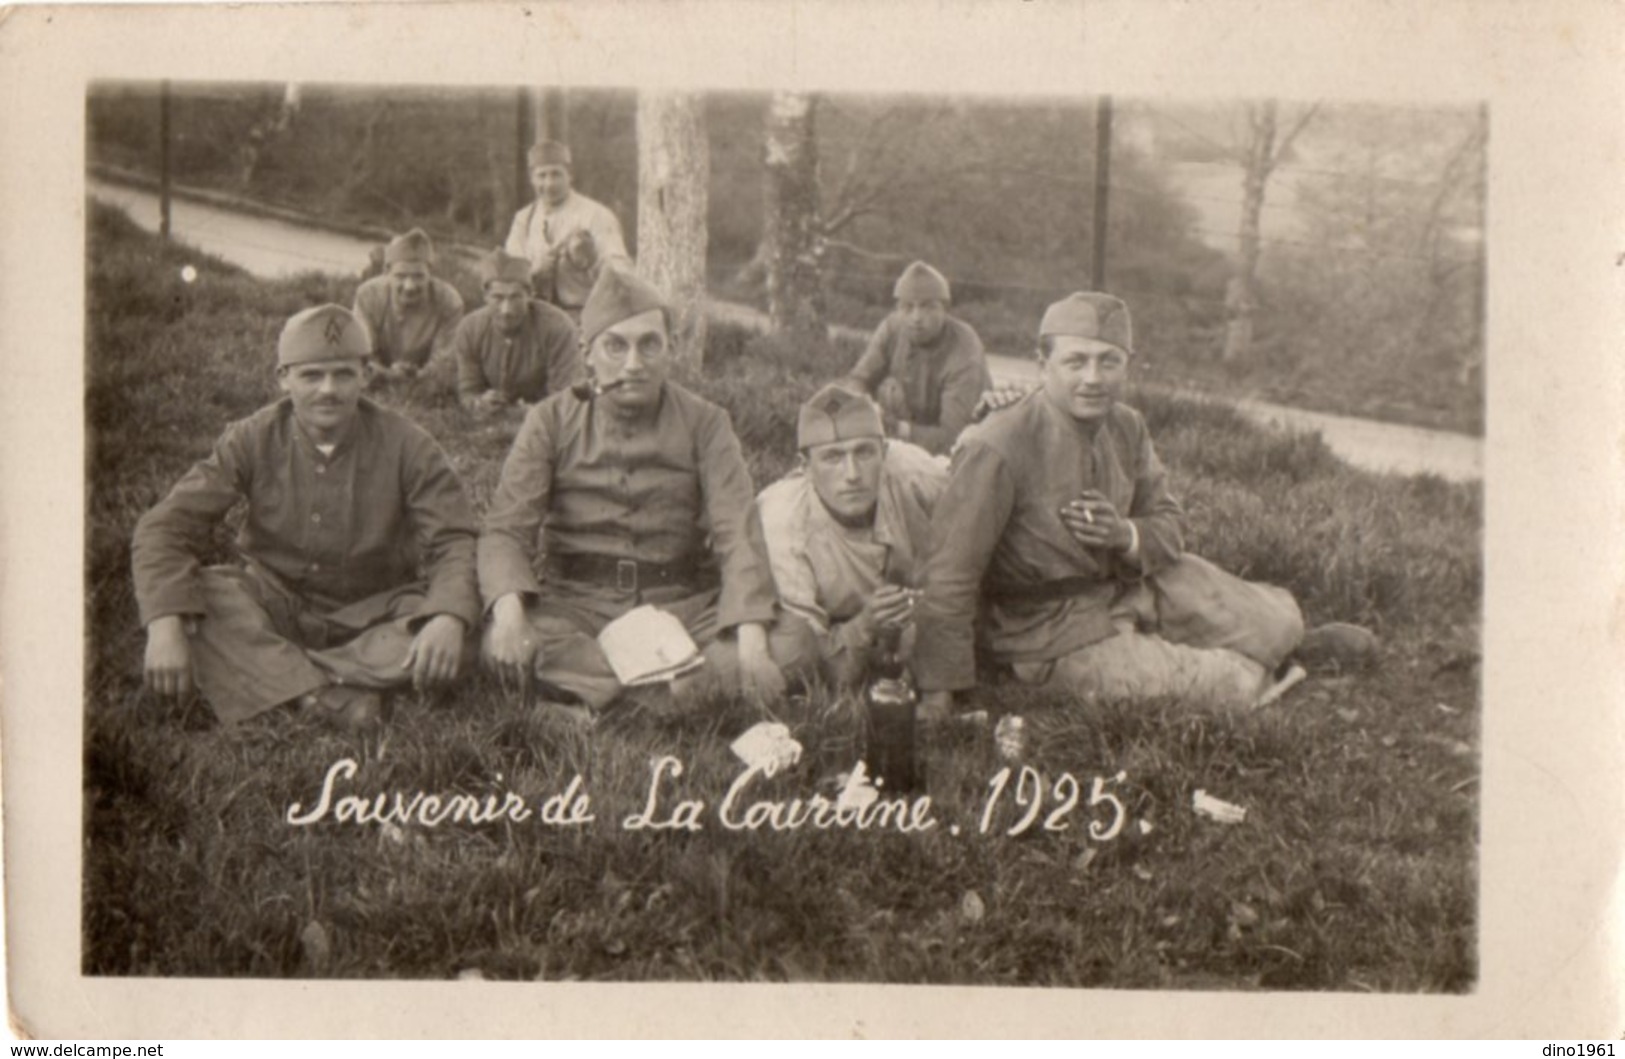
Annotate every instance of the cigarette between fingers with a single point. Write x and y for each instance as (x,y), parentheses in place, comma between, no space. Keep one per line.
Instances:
(1088,516)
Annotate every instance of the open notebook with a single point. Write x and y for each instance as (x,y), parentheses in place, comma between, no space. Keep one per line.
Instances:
(646,645)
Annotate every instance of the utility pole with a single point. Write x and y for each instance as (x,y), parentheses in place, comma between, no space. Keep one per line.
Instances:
(521,145)
(163,159)
(1103,166)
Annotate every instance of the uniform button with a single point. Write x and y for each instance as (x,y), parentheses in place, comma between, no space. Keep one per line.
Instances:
(315,567)
(321,470)
(316,518)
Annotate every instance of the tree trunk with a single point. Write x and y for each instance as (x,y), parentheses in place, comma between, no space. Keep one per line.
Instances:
(795,247)
(1241,296)
(674,175)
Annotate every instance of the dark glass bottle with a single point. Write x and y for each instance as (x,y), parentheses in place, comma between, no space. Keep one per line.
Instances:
(890,699)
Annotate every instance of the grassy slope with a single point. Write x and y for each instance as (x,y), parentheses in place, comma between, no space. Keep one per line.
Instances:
(1355,868)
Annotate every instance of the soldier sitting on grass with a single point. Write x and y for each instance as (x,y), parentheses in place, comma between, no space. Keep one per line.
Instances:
(1057,552)
(410,314)
(357,546)
(516,349)
(639,494)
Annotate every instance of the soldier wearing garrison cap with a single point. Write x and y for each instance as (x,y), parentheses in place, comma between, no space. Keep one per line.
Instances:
(410,313)
(925,367)
(567,237)
(847,528)
(1058,523)
(639,493)
(357,547)
(516,349)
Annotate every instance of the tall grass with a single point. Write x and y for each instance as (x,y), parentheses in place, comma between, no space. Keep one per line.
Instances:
(1353,871)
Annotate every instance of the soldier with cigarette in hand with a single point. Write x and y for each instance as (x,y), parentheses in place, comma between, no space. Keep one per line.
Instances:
(639,493)
(1059,521)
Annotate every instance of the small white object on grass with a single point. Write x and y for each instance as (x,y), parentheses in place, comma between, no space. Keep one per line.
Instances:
(767,745)
(1216,809)
(188,274)
(1293,678)
(1010,736)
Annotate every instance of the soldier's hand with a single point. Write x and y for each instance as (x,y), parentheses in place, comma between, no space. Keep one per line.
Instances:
(581,251)
(759,677)
(436,655)
(891,605)
(167,668)
(1001,396)
(511,651)
(892,400)
(1094,522)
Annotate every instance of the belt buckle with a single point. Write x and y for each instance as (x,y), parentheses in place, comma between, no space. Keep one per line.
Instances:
(626,575)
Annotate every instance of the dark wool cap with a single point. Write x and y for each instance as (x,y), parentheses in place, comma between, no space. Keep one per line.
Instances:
(615,297)
(415,247)
(548,152)
(837,414)
(1090,314)
(920,282)
(326,332)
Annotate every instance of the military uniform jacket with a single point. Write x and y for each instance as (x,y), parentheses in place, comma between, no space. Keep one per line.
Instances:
(998,535)
(942,378)
(668,489)
(385,509)
(541,359)
(415,336)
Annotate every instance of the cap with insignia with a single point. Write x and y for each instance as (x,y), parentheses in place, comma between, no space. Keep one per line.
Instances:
(413,248)
(326,332)
(500,267)
(837,414)
(1090,314)
(548,152)
(919,283)
(615,297)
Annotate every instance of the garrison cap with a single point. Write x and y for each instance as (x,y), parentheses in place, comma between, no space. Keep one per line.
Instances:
(548,152)
(1090,314)
(836,413)
(920,282)
(501,267)
(413,248)
(325,332)
(615,297)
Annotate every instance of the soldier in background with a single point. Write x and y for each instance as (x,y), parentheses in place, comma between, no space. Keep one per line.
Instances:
(516,349)
(568,238)
(925,367)
(410,313)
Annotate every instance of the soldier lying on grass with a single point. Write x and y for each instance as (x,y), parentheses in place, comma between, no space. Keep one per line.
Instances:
(348,506)
(410,313)
(1058,521)
(516,349)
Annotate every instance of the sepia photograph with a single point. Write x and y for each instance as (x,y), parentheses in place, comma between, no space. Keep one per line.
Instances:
(1089,534)
(1217,728)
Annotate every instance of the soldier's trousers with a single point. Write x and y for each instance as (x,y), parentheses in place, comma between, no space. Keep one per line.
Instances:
(260,645)
(568,617)
(1192,633)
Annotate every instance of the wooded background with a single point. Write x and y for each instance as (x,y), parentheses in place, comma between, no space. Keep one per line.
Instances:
(1329,255)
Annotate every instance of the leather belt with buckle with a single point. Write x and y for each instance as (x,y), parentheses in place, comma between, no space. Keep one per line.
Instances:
(624,575)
